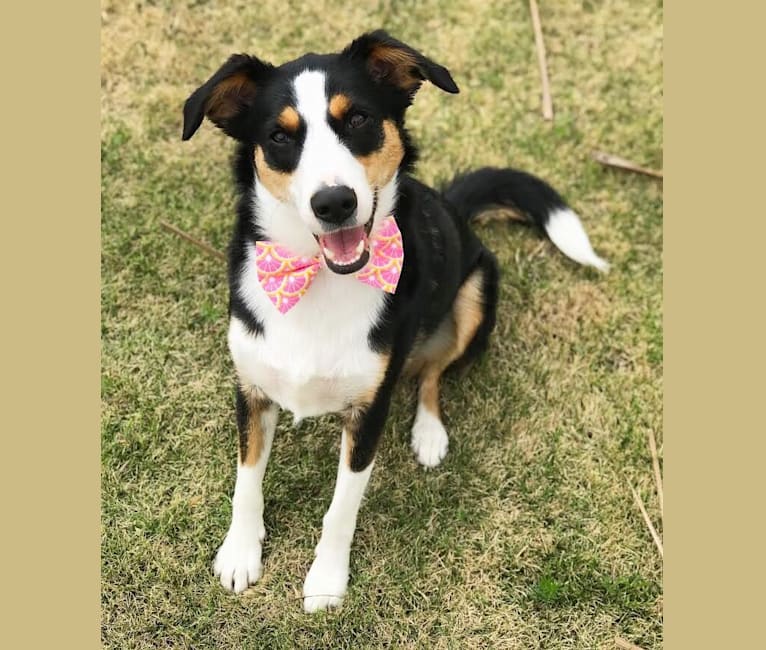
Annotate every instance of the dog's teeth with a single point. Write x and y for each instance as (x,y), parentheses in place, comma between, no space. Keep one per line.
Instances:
(329,254)
(360,246)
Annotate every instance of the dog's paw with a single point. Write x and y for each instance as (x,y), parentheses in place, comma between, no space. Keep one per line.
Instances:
(325,584)
(429,439)
(238,561)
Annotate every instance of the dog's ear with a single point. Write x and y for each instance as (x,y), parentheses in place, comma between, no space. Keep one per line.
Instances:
(226,97)
(393,62)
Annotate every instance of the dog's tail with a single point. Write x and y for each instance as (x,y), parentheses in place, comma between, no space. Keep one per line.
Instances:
(529,199)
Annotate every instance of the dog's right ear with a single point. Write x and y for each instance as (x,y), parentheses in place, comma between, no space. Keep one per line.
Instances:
(227,96)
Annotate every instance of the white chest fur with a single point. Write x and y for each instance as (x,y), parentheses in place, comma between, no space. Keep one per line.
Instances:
(315,358)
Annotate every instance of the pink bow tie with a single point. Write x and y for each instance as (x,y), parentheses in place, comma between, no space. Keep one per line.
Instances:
(285,277)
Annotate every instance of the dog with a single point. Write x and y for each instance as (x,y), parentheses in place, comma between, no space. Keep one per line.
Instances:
(345,272)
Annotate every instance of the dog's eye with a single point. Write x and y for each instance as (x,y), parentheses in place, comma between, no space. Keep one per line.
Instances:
(355,120)
(280,137)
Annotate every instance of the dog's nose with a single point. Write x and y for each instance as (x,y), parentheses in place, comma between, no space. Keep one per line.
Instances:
(334,204)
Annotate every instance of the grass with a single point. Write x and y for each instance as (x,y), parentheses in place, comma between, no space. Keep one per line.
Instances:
(527,536)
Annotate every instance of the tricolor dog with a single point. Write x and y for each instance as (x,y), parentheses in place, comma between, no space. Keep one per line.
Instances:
(346,272)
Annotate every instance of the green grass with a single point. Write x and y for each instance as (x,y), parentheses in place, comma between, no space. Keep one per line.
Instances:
(527,535)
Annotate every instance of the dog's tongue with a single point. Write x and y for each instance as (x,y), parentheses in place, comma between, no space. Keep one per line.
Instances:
(344,246)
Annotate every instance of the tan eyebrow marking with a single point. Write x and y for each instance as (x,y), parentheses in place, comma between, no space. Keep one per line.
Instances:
(339,105)
(289,119)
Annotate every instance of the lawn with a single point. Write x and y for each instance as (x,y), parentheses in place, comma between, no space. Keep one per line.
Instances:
(527,536)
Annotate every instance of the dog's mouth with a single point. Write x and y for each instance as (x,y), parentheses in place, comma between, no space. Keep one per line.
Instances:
(347,249)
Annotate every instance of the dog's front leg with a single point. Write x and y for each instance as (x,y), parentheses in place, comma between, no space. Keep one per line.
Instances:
(326,582)
(238,562)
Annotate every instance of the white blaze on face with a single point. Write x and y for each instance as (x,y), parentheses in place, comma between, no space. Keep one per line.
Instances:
(324,158)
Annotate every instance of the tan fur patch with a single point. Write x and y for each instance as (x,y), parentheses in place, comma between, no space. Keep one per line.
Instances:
(289,119)
(499,214)
(274,181)
(252,441)
(339,105)
(467,314)
(228,96)
(254,445)
(428,351)
(395,65)
(381,165)
(468,311)
(352,421)
(429,391)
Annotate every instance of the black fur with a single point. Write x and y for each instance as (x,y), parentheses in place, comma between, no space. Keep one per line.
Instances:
(490,187)
(243,417)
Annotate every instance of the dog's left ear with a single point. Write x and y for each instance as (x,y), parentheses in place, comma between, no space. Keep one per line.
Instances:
(391,61)
(226,97)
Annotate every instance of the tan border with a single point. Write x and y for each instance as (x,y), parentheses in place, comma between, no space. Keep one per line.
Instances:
(50,278)
(715,234)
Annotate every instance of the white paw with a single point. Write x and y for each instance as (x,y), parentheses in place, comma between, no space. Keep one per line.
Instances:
(325,584)
(238,561)
(429,439)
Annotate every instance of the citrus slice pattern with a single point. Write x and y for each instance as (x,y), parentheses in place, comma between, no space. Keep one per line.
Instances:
(386,258)
(286,277)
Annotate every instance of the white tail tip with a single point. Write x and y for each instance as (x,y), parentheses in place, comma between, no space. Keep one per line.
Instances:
(566,232)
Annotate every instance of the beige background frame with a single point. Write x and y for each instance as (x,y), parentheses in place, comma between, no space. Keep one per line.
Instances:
(714,236)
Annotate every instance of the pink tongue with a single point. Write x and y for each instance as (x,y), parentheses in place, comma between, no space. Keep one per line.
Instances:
(343,243)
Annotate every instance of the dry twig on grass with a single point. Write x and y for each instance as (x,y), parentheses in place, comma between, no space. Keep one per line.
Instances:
(540,45)
(622,163)
(626,645)
(200,244)
(657,475)
(648,521)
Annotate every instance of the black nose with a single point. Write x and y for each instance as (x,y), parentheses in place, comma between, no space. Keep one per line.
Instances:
(334,204)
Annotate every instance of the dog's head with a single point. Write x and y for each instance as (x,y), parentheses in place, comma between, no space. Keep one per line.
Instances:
(327,138)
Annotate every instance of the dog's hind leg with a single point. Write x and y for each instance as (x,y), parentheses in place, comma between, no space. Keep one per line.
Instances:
(238,561)
(461,337)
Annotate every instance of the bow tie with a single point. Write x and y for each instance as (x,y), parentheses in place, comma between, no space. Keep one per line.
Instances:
(285,277)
